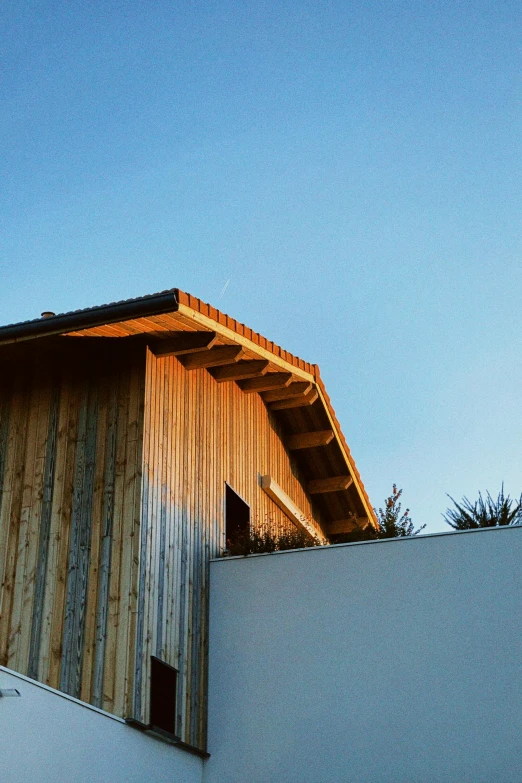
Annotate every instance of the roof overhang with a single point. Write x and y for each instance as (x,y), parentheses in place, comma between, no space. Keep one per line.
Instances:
(291,387)
(90,318)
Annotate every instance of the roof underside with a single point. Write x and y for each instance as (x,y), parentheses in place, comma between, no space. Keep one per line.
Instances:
(297,396)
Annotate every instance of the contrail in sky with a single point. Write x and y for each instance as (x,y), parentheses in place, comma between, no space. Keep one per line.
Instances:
(224,288)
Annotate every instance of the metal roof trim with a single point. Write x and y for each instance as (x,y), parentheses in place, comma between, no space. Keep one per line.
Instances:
(153,304)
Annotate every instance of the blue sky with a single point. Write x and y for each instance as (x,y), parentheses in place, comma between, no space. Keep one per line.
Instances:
(354,170)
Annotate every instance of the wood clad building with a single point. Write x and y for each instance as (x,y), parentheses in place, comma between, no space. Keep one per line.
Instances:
(122,429)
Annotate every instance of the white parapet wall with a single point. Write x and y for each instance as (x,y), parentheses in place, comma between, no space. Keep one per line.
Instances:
(396,661)
(47,737)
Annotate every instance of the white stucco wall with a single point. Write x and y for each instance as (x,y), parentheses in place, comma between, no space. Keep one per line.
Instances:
(46,737)
(389,662)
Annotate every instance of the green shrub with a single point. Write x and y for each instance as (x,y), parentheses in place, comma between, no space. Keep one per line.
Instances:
(251,542)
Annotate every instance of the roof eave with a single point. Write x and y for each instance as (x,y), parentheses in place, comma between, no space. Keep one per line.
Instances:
(142,307)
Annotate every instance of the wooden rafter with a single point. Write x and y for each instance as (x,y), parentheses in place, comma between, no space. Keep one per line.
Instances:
(184,343)
(289,508)
(334,484)
(346,525)
(295,402)
(293,390)
(274,380)
(213,358)
(240,370)
(309,440)
(261,348)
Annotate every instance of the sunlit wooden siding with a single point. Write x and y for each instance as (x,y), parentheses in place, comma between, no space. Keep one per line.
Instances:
(70,483)
(198,434)
(113,466)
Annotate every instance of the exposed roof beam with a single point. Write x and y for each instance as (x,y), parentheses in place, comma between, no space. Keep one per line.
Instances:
(240,339)
(240,370)
(309,440)
(274,380)
(289,508)
(295,402)
(184,342)
(334,484)
(212,358)
(346,525)
(293,390)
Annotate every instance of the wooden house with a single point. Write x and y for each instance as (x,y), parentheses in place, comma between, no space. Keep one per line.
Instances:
(131,435)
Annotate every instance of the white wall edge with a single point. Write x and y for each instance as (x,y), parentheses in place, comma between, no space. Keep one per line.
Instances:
(399,539)
(60,693)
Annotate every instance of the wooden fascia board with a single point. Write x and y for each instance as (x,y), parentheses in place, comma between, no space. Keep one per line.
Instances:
(239,339)
(357,483)
(288,507)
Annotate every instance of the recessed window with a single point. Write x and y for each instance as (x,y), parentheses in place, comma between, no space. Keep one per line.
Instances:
(163,680)
(237,514)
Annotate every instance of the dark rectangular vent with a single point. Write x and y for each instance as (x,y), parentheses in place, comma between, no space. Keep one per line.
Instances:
(237,514)
(163,680)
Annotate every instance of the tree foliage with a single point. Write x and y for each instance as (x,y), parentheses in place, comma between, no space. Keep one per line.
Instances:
(393,524)
(484,512)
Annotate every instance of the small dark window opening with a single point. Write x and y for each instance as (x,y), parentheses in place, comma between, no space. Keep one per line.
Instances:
(237,514)
(163,679)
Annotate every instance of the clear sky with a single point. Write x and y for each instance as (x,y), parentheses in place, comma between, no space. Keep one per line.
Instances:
(352,169)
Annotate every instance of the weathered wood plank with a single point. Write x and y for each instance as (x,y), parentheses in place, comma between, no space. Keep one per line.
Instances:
(113,612)
(154,522)
(51,634)
(11,510)
(128,573)
(26,535)
(161,510)
(24,512)
(102,610)
(45,405)
(96,535)
(45,534)
(5,404)
(80,547)
(140,670)
(135,535)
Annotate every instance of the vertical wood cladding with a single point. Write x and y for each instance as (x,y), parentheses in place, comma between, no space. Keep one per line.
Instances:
(70,481)
(198,434)
(113,466)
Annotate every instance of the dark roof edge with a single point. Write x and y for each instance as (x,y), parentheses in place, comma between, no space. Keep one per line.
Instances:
(155,304)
